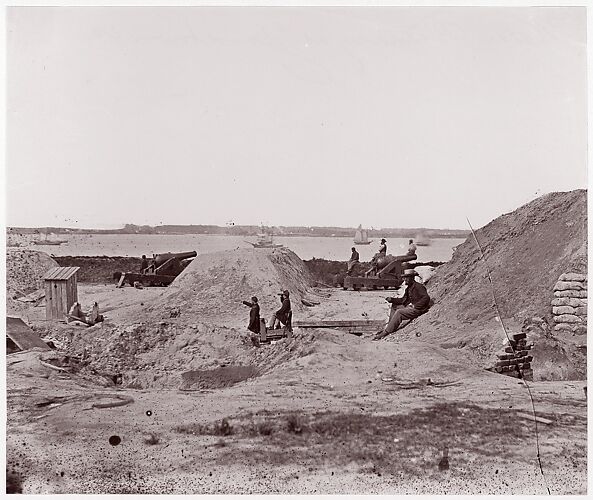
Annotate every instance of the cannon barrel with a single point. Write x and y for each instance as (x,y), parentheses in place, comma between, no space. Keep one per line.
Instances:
(161,258)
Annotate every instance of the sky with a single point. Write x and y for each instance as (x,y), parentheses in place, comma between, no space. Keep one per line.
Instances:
(385,117)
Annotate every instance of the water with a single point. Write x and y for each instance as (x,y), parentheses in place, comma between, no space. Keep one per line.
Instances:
(331,248)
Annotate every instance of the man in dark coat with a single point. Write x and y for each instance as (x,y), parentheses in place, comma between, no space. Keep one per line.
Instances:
(354,260)
(414,303)
(383,247)
(144,264)
(253,315)
(282,314)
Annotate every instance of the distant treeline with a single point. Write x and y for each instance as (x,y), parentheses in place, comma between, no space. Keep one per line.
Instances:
(250,231)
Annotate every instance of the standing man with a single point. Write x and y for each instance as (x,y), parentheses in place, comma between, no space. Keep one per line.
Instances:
(411,248)
(282,315)
(253,315)
(414,303)
(383,247)
(354,260)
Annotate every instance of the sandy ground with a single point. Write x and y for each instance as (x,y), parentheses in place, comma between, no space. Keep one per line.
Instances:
(353,416)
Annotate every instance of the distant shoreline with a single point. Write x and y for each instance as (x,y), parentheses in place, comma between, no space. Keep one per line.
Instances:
(249,231)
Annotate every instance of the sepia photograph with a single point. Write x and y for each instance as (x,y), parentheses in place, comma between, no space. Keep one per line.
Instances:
(296,250)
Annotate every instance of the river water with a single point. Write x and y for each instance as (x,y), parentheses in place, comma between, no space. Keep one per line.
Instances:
(331,248)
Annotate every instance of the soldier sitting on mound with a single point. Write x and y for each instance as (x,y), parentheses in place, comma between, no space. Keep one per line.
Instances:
(282,315)
(414,303)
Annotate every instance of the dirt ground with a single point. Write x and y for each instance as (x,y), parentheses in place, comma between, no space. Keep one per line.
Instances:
(333,413)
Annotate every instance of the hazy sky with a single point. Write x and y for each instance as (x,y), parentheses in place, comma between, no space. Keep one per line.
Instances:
(389,117)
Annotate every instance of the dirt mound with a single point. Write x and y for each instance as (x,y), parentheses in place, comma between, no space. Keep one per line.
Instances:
(211,289)
(198,325)
(24,270)
(526,251)
(190,356)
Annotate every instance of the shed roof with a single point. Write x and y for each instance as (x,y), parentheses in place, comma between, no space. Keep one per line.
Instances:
(60,273)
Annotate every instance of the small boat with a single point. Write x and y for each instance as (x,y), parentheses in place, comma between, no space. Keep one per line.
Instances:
(421,240)
(265,240)
(361,236)
(47,241)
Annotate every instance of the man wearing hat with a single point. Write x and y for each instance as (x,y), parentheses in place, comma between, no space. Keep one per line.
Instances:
(253,315)
(354,260)
(383,247)
(282,315)
(414,303)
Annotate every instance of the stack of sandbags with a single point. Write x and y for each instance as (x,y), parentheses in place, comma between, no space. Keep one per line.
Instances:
(569,306)
(514,359)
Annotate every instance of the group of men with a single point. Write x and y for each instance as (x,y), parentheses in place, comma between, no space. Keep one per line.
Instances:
(414,302)
(280,317)
(355,257)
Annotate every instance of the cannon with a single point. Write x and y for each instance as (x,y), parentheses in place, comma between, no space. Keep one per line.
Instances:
(386,272)
(163,270)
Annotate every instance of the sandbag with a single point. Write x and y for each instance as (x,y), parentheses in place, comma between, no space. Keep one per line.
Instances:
(567,318)
(572,277)
(569,285)
(582,294)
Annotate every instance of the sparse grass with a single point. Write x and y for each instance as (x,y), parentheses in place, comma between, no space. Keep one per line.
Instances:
(152,439)
(294,423)
(222,428)
(265,428)
(410,442)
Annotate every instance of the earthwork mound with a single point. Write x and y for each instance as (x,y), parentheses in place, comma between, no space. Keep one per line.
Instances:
(525,251)
(24,270)
(211,289)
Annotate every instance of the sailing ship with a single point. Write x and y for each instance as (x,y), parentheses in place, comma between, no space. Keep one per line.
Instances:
(265,240)
(361,236)
(47,241)
(422,240)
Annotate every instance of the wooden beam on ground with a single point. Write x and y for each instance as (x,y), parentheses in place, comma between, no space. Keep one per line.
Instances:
(530,416)
(331,323)
(25,338)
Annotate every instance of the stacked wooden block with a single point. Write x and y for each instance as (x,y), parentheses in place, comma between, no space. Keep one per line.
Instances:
(515,357)
(569,305)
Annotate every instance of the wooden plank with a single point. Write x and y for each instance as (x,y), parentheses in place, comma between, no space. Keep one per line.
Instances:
(64,306)
(22,335)
(262,330)
(531,417)
(32,297)
(58,303)
(52,295)
(54,298)
(339,323)
(48,300)
(70,293)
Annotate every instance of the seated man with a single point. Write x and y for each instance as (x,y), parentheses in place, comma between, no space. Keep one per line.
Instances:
(144,264)
(354,260)
(414,303)
(282,315)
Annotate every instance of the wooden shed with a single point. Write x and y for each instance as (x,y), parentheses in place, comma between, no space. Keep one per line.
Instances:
(61,291)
